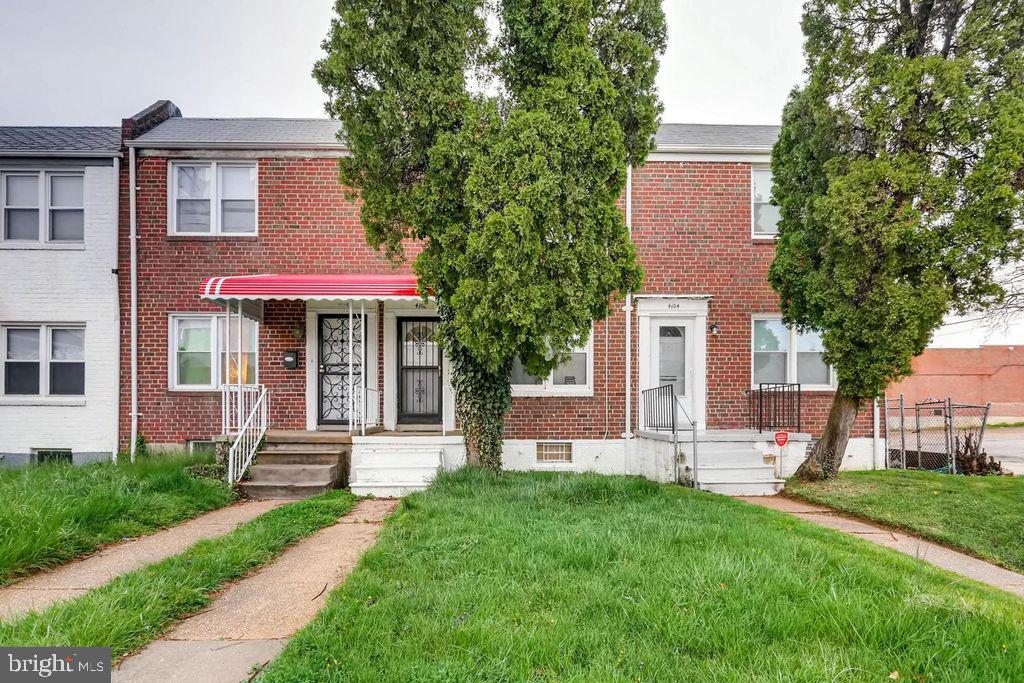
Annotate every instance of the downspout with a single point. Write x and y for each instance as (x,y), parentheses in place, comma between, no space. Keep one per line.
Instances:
(627,436)
(134,303)
(875,442)
(117,311)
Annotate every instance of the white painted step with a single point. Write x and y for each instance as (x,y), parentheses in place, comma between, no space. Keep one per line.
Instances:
(748,488)
(764,473)
(408,456)
(391,474)
(393,490)
(733,457)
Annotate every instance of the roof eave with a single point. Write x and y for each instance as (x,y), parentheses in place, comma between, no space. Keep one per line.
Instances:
(171,144)
(77,154)
(699,149)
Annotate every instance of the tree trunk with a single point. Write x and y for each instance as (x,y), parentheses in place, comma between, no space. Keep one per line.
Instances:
(827,455)
(482,398)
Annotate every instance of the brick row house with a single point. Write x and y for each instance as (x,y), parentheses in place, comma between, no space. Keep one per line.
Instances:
(197,281)
(59,314)
(252,274)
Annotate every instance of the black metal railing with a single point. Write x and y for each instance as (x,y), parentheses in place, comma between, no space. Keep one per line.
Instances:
(774,406)
(659,409)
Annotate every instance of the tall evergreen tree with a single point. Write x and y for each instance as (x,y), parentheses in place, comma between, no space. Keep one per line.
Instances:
(498,132)
(899,174)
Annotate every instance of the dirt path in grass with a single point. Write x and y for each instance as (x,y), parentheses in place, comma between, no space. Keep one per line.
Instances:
(933,553)
(79,576)
(248,624)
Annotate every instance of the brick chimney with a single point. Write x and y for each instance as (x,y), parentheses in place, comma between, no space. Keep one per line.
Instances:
(148,118)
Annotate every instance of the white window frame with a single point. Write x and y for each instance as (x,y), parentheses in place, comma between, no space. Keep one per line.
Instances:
(43,206)
(762,236)
(45,345)
(215,198)
(791,359)
(216,348)
(549,388)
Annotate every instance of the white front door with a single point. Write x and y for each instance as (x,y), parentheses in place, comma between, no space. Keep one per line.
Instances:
(673,352)
(672,361)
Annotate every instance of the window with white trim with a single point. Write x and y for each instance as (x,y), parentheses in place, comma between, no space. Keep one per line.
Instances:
(212,198)
(43,360)
(781,354)
(42,207)
(197,354)
(764,216)
(571,378)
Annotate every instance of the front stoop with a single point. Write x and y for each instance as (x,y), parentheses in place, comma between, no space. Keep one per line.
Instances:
(299,465)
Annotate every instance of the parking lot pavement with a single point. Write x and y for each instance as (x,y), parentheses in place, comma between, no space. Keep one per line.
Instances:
(1007,446)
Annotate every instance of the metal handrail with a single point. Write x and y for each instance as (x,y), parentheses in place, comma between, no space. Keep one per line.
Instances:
(248,439)
(362,416)
(657,419)
(777,406)
(230,405)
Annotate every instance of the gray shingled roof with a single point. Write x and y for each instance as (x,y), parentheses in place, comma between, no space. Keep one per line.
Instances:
(179,131)
(57,140)
(715,136)
(322,133)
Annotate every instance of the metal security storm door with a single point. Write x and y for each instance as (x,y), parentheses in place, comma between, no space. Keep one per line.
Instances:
(338,381)
(419,372)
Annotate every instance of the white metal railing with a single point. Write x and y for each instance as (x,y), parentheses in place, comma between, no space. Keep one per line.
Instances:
(236,402)
(249,436)
(370,400)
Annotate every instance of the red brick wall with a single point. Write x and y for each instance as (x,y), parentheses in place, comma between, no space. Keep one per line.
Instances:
(692,230)
(987,374)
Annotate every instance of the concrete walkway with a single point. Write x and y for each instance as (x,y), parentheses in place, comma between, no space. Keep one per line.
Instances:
(933,553)
(70,580)
(248,624)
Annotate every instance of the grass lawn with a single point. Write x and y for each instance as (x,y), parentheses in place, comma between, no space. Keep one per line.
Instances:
(137,607)
(982,515)
(543,576)
(53,513)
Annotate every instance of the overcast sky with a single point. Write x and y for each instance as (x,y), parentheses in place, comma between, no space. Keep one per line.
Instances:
(75,62)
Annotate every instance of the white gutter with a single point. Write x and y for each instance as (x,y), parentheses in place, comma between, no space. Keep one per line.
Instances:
(117,310)
(628,308)
(134,304)
(50,153)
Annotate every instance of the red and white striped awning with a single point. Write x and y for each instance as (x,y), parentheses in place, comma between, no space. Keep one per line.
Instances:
(349,287)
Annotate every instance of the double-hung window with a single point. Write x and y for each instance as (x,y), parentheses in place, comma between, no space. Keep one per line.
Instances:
(43,360)
(198,358)
(212,198)
(571,378)
(782,355)
(42,207)
(764,216)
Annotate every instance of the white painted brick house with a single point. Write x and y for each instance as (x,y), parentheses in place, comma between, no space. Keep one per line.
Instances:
(58,304)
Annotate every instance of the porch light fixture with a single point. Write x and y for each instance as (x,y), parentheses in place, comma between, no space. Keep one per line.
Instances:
(298,332)
(713,328)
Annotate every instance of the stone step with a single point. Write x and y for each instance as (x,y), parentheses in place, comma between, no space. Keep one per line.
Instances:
(293,474)
(289,491)
(300,457)
(281,437)
(305,447)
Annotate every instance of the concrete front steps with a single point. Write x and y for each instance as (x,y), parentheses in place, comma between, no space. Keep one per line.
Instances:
(736,469)
(299,465)
(391,468)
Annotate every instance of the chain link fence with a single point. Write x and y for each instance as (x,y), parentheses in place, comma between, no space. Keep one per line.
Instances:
(934,434)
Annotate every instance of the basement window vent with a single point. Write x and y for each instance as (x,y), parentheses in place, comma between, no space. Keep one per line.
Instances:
(202,446)
(48,455)
(554,451)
